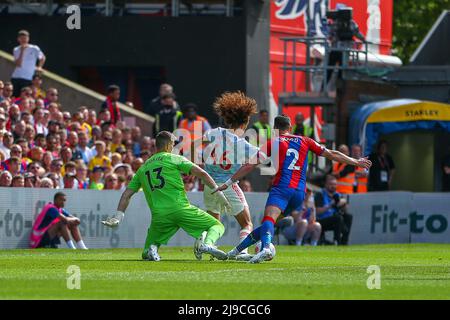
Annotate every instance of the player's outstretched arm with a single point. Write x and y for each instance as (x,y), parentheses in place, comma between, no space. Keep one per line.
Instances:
(335,155)
(115,220)
(242,172)
(209,181)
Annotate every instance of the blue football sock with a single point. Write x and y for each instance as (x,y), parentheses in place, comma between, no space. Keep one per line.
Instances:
(267,231)
(251,239)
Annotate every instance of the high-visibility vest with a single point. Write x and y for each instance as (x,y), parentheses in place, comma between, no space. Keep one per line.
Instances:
(190,125)
(361,182)
(307,130)
(266,130)
(344,184)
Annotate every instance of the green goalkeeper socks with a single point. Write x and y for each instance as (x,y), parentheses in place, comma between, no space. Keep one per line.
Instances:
(214,233)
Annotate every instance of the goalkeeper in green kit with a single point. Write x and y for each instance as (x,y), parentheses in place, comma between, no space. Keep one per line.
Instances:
(160,179)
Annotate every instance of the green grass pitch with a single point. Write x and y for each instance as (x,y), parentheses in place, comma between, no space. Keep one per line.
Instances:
(419,271)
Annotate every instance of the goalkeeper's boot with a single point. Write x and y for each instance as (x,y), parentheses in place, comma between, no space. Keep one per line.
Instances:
(244,256)
(212,250)
(198,242)
(151,254)
(264,254)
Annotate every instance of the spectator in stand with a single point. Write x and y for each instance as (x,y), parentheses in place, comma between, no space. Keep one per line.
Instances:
(36,169)
(304,225)
(7,142)
(70,182)
(40,123)
(446,172)
(262,128)
(145,155)
(245,185)
(192,122)
(14,116)
(116,141)
(332,213)
(361,175)
(92,118)
(46,183)
(29,135)
(136,136)
(47,159)
(383,168)
(25,57)
(96,178)
(30,180)
(36,154)
(25,94)
(52,145)
(116,159)
(81,176)
(300,128)
(36,87)
(5,179)
(53,127)
(16,153)
(2,86)
(344,173)
(82,147)
(7,94)
(19,130)
(100,159)
(168,118)
(18,181)
(56,169)
(111,182)
(136,164)
(23,143)
(156,104)
(2,123)
(111,103)
(51,96)
(56,180)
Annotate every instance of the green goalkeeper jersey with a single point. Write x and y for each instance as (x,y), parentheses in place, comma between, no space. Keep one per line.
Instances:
(160,179)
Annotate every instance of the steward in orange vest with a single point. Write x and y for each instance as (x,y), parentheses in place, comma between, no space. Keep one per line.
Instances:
(345,175)
(361,180)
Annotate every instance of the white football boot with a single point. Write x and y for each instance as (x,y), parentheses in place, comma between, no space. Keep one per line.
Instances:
(153,253)
(264,254)
(198,242)
(212,250)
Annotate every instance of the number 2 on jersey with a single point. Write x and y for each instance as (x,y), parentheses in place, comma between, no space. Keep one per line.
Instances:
(292,166)
(161,179)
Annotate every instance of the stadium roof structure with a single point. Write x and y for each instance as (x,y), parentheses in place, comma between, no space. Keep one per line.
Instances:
(375,119)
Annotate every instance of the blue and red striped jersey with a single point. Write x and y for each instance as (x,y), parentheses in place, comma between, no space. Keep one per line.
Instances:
(291,152)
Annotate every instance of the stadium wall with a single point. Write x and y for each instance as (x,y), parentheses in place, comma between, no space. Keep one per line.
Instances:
(394,217)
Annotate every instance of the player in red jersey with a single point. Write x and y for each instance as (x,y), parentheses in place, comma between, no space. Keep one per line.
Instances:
(288,190)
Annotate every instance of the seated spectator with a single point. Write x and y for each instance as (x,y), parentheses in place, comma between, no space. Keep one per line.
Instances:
(36,87)
(116,140)
(116,158)
(145,155)
(83,147)
(7,94)
(16,153)
(332,213)
(111,182)
(304,226)
(46,183)
(30,180)
(96,178)
(55,180)
(47,159)
(36,169)
(136,164)
(136,137)
(111,103)
(54,222)
(5,146)
(51,96)
(100,159)
(83,181)
(5,179)
(56,169)
(70,181)
(18,181)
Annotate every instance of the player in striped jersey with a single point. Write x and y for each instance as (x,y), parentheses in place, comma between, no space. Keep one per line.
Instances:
(288,189)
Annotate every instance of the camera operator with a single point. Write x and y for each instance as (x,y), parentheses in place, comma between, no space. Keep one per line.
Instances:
(341,31)
(331,210)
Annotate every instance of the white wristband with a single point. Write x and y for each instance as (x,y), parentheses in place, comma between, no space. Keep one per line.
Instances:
(229,182)
(120,215)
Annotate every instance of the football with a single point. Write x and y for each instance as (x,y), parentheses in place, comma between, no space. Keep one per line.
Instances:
(272,248)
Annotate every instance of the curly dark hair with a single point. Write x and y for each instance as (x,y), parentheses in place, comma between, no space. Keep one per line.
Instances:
(235,108)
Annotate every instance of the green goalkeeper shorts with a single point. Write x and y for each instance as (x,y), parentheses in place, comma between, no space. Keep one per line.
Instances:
(191,219)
